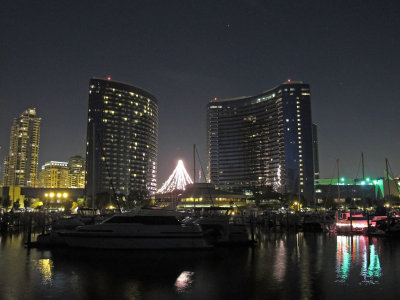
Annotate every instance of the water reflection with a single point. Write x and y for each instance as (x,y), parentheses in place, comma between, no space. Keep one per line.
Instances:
(184,281)
(371,269)
(357,252)
(45,267)
(283,265)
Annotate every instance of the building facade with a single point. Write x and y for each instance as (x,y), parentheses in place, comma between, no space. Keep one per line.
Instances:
(21,164)
(49,197)
(54,174)
(76,177)
(356,189)
(263,140)
(121,151)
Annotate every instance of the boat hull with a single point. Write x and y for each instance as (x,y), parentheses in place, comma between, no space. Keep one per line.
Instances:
(115,241)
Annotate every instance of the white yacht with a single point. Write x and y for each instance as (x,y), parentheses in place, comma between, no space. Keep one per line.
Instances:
(153,229)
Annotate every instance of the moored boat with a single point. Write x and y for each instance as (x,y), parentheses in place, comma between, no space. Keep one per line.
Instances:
(357,223)
(143,230)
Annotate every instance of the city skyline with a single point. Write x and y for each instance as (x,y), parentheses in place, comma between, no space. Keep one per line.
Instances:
(190,53)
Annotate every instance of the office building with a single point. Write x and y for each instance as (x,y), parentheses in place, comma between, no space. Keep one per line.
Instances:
(54,174)
(263,140)
(121,151)
(76,165)
(21,164)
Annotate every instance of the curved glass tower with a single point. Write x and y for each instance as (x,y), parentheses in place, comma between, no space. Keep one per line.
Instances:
(121,139)
(263,140)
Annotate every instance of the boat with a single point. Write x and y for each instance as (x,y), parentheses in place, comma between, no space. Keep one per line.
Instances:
(358,223)
(316,222)
(221,228)
(153,229)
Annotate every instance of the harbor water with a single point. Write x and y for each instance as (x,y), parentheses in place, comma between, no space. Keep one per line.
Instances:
(283,265)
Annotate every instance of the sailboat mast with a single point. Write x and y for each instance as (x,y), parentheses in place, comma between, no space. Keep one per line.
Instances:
(363,178)
(362,163)
(338,179)
(387,178)
(93,161)
(194,163)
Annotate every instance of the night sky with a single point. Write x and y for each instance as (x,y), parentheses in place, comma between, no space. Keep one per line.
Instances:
(188,52)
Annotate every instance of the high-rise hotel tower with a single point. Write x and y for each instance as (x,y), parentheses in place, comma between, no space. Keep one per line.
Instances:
(21,164)
(263,140)
(121,152)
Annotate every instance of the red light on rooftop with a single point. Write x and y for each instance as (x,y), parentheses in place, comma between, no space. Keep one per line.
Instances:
(289,80)
(108,78)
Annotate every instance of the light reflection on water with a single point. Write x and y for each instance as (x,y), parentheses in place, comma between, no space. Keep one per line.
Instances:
(184,281)
(280,262)
(45,268)
(357,253)
(282,266)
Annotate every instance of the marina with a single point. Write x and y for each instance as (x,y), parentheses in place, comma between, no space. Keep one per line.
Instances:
(199,150)
(283,265)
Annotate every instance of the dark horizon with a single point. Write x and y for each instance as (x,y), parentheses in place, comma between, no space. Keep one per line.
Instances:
(187,53)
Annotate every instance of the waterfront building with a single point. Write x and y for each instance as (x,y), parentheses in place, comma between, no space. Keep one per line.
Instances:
(263,140)
(49,197)
(122,128)
(206,195)
(76,177)
(54,174)
(356,189)
(21,164)
(201,195)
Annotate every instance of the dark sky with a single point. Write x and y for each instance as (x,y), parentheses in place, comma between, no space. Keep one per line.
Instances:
(187,52)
